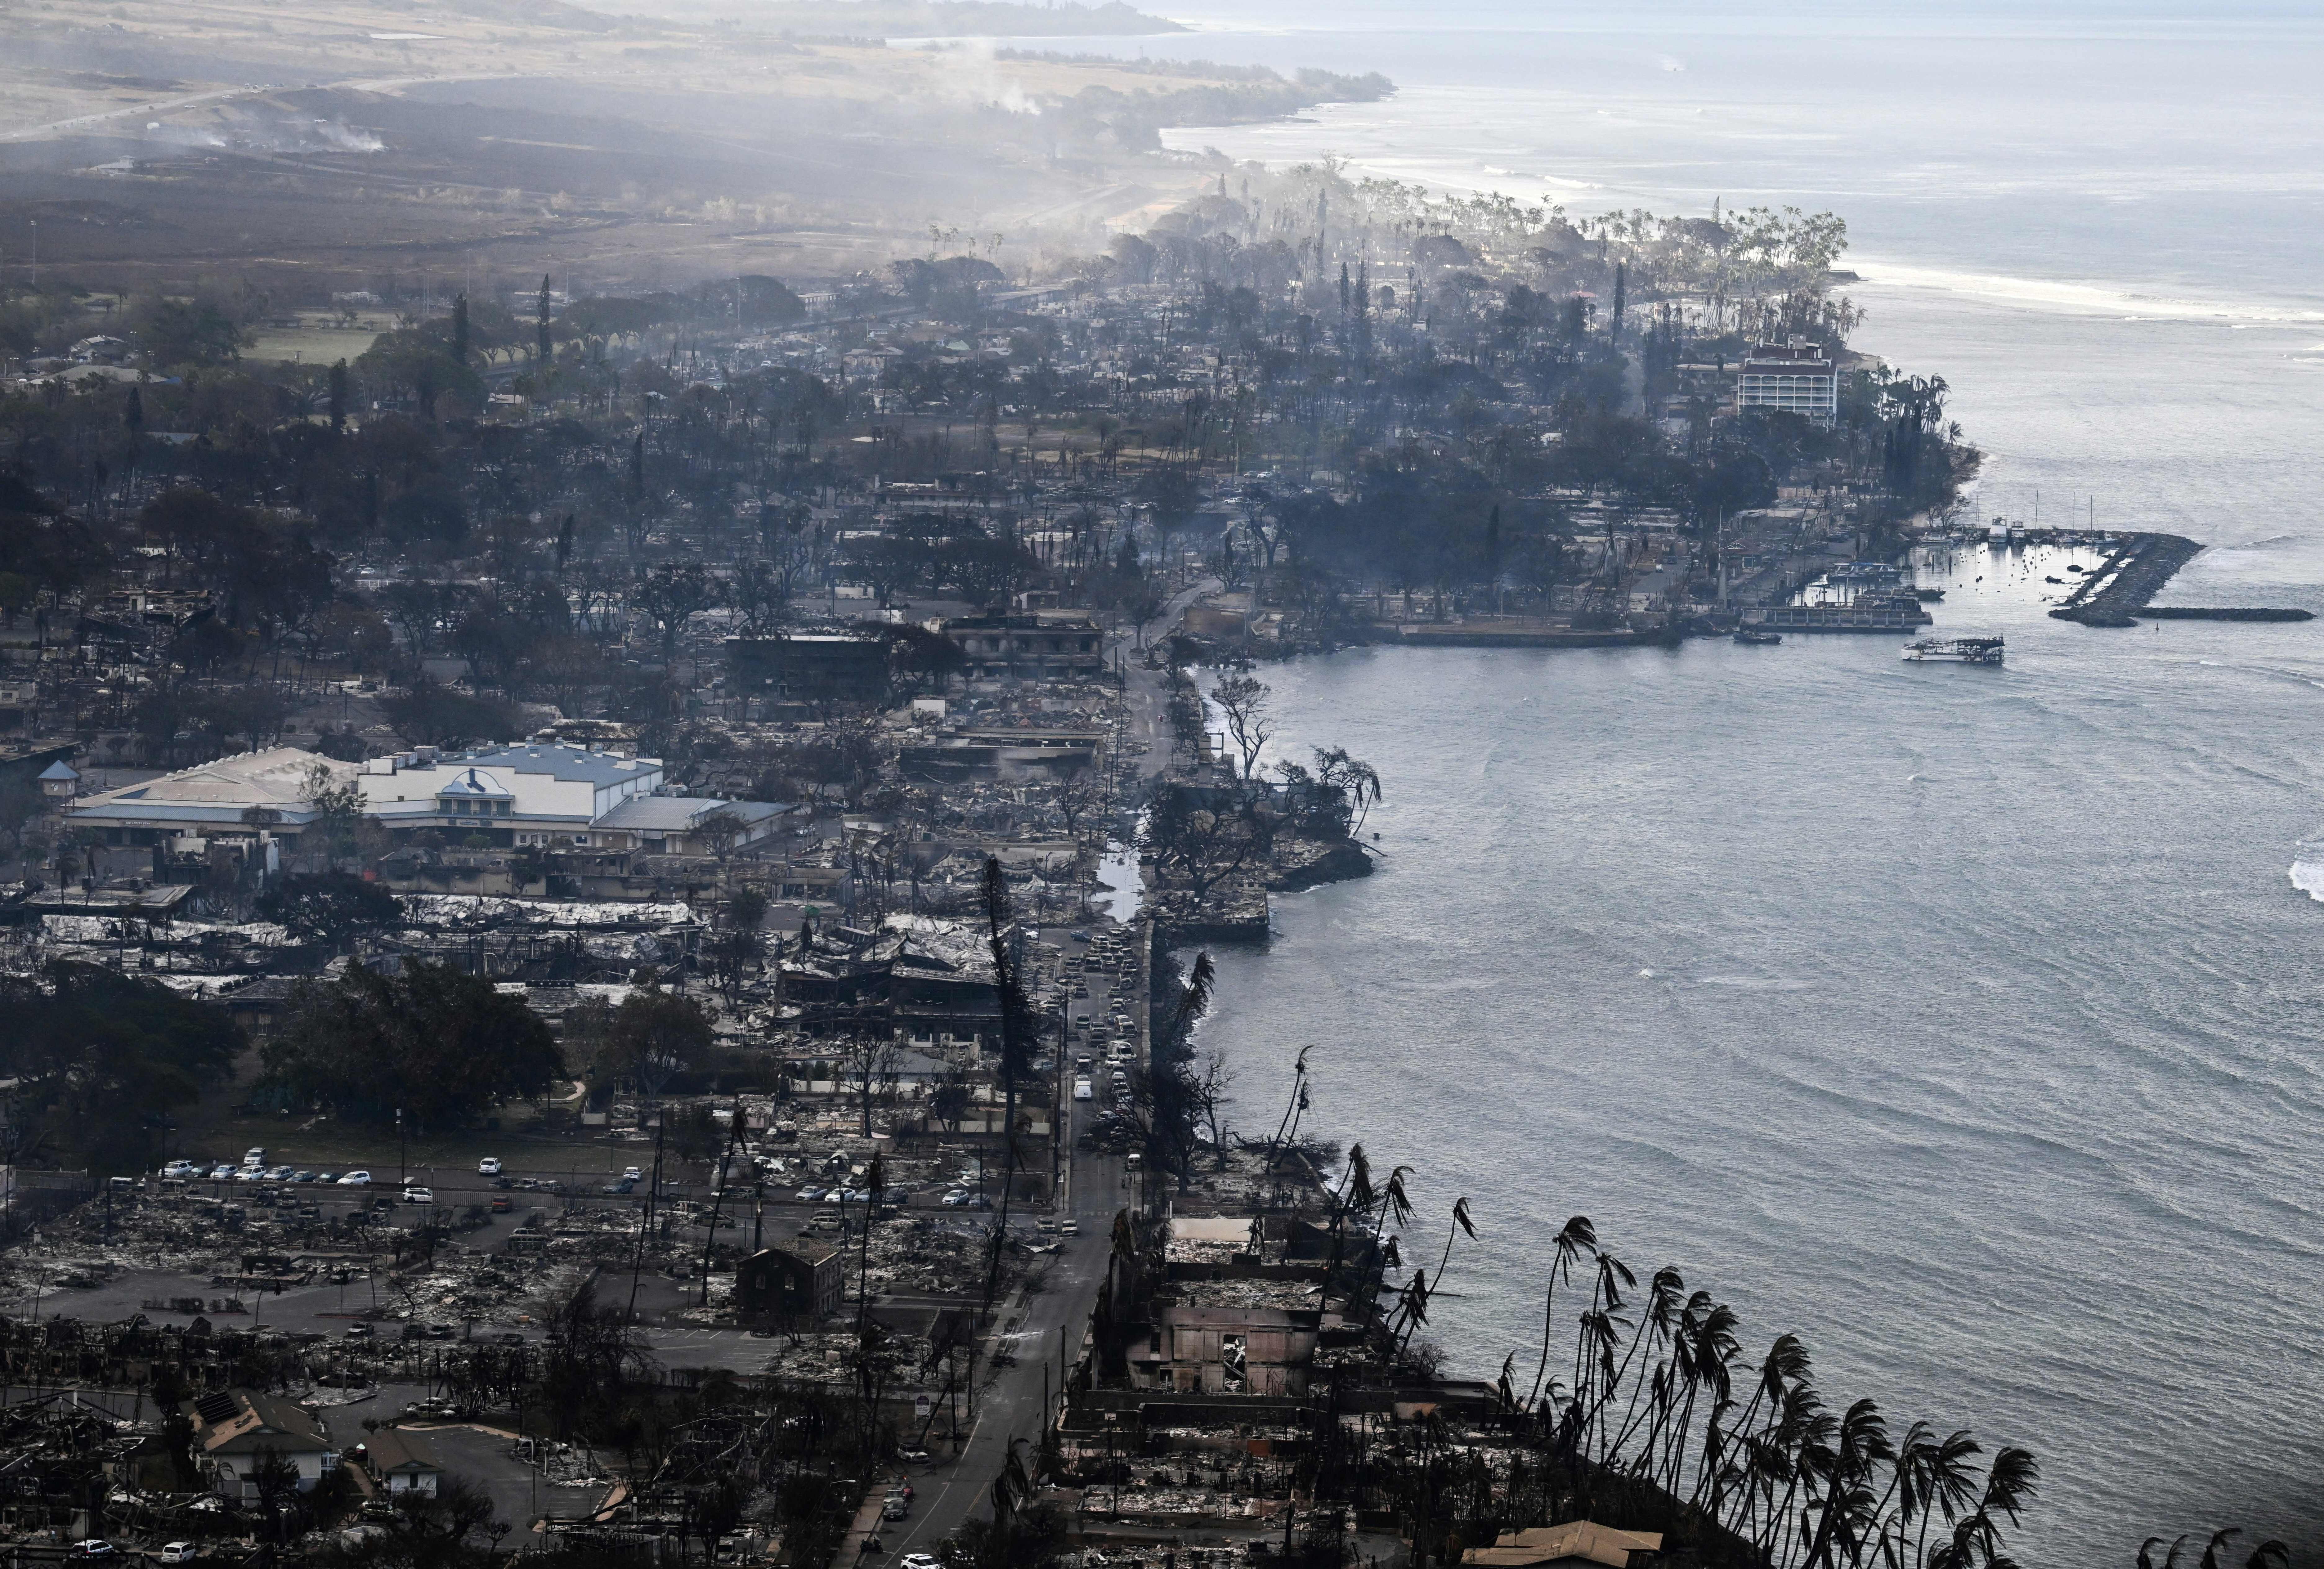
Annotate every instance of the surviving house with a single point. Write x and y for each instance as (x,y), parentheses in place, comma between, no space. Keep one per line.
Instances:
(400,1460)
(1570,1546)
(237,1431)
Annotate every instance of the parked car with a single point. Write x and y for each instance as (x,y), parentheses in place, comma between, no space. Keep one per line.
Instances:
(808,1195)
(94,1547)
(489,1165)
(355,1179)
(359,1332)
(1071,1228)
(255,1155)
(302,1177)
(633,1174)
(419,1196)
(956,1197)
(222,1174)
(181,1168)
(895,1509)
(326,1177)
(177,1553)
(501,1204)
(621,1185)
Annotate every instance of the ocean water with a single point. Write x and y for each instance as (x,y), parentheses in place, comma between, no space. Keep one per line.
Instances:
(1965,1021)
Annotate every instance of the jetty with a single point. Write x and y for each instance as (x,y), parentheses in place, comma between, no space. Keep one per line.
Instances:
(2132,573)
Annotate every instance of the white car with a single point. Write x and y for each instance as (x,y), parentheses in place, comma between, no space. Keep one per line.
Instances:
(418,1195)
(355,1179)
(255,1155)
(489,1165)
(177,1553)
(222,1174)
(181,1168)
(632,1173)
(1082,1091)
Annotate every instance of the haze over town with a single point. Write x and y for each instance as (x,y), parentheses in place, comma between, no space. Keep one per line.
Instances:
(963,782)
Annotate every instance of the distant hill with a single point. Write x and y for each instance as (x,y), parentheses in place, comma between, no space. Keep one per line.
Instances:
(904,18)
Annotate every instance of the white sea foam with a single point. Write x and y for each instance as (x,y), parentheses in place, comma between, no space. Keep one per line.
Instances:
(2307,874)
(2093,297)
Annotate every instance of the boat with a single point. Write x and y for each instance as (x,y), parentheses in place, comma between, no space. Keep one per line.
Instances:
(1929,595)
(1752,634)
(1957,651)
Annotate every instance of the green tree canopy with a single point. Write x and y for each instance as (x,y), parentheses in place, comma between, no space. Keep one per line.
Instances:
(101,1058)
(331,907)
(441,1045)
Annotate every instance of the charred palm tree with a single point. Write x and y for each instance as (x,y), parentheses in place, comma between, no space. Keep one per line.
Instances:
(1577,1238)
(1460,1223)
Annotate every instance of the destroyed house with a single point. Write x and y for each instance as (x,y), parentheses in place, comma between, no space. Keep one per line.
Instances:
(1231,1337)
(810,667)
(997,754)
(918,976)
(801,1281)
(1048,645)
(235,1430)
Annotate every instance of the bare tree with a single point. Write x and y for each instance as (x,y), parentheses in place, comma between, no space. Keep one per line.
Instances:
(872,1066)
(1197,845)
(1242,697)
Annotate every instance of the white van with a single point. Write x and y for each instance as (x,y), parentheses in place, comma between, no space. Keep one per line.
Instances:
(1082,1091)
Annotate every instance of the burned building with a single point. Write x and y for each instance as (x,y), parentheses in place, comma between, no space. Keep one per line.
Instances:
(801,1281)
(810,667)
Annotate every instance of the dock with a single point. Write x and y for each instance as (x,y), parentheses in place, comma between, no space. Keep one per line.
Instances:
(1838,618)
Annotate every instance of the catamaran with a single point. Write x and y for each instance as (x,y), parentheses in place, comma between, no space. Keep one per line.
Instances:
(1958,650)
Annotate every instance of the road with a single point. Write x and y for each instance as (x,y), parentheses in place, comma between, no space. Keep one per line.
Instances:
(1008,1405)
(1147,693)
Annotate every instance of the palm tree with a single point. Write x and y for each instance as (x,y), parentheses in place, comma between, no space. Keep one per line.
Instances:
(1577,1237)
(1459,1224)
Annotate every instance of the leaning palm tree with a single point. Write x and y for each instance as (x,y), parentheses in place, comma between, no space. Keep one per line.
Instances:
(1578,1237)
(1460,1223)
